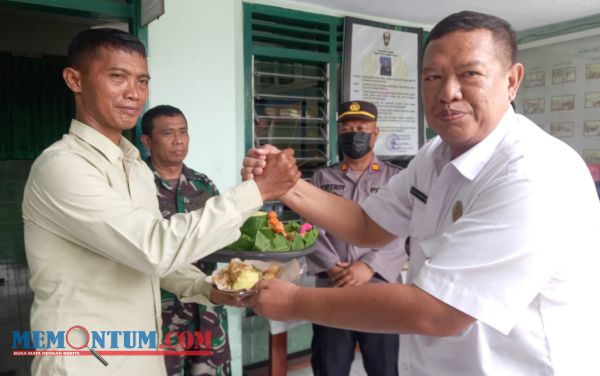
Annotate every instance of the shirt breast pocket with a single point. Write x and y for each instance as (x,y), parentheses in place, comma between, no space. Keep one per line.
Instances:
(419,228)
(417,222)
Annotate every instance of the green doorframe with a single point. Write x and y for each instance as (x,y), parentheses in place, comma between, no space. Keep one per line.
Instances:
(142,33)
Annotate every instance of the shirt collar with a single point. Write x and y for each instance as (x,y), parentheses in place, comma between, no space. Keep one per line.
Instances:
(471,162)
(106,147)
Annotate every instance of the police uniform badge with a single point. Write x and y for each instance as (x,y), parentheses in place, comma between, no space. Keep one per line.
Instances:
(457,210)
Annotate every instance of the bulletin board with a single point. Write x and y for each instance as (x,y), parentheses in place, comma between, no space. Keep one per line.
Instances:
(561,90)
(382,65)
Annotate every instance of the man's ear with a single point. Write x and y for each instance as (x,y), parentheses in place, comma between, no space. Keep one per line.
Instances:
(72,78)
(515,76)
(374,135)
(146,141)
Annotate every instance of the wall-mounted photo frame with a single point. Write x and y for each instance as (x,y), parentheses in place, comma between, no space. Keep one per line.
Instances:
(562,129)
(562,103)
(382,64)
(534,79)
(592,71)
(592,100)
(591,156)
(534,106)
(591,128)
(564,75)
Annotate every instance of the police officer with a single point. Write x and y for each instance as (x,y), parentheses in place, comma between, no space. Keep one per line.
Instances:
(338,264)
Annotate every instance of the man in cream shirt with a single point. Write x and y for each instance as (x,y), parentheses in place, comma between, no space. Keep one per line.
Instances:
(97,246)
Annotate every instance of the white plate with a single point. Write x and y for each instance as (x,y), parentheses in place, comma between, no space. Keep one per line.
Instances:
(290,271)
(239,293)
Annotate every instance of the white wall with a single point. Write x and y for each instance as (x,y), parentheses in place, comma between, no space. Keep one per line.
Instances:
(195,54)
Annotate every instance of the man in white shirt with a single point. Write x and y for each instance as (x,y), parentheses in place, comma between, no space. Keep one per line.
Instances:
(503,222)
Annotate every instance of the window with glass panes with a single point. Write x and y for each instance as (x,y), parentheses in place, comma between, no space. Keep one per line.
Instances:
(292,62)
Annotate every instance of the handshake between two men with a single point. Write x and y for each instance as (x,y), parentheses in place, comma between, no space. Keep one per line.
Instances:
(274,171)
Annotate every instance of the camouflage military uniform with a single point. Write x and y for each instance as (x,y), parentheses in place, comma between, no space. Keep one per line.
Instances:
(191,192)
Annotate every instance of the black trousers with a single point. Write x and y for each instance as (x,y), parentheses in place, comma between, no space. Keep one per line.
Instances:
(333,352)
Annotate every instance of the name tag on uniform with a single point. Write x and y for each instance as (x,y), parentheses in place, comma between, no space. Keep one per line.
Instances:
(418,194)
(338,189)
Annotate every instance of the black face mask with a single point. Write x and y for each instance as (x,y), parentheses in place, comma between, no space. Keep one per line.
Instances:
(355,144)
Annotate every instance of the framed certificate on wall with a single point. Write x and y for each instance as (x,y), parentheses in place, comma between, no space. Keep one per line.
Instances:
(381,64)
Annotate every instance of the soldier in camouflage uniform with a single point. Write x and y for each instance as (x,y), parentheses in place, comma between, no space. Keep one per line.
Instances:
(180,190)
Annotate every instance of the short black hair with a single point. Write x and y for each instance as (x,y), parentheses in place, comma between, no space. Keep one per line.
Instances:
(87,44)
(504,35)
(158,111)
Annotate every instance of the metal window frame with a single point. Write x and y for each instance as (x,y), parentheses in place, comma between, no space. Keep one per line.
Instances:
(332,59)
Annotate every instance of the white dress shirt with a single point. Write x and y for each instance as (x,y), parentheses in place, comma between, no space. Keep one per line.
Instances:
(507,234)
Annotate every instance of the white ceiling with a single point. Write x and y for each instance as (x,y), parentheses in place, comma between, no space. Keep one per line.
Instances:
(522,14)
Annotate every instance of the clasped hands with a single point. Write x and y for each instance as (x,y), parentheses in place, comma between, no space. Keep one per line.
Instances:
(344,274)
(275,173)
